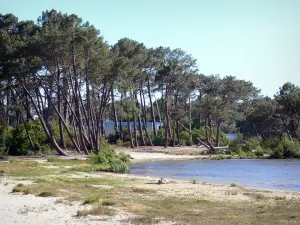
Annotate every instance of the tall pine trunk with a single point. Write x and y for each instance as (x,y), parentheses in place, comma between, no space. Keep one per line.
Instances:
(151,107)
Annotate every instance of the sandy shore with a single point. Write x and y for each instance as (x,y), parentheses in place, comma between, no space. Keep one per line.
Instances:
(18,209)
(156,153)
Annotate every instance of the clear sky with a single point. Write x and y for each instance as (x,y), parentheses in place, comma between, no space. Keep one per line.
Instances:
(256,40)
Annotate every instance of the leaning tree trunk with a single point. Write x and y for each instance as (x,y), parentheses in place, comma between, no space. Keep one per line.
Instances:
(44,125)
(209,146)
(218,134)
(77,105)
(151,108)
(114,109)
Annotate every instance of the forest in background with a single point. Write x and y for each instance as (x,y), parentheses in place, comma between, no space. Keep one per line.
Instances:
(60,81)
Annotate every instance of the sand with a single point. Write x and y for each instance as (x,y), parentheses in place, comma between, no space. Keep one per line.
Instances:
(16,208)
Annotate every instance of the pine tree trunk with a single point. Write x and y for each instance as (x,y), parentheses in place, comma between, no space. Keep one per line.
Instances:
(129,131)
(166,122)
(62,142)
(151,108)
(190,119)
(77,106)
(136,143)
(114,109)
(218,134)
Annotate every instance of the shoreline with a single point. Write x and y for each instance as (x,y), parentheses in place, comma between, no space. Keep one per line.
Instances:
(32,209)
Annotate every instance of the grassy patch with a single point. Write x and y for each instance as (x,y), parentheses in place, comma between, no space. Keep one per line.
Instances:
(194,181)
(46,194)
(16,189)
(108,203)
(91,199)
(280,198)
(151,205)
(201,201)
(234,185)
(142,190)
(25,168)
(99,210)
(231,192)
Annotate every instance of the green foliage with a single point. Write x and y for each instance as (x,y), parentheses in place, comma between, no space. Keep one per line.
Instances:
(159,139)
(252,144)
(185,137)
(18,142)
(117,163)
(111,139)
(200,133)
(259,151)
(236,148)
(4,139)
(234,185)
(285,148)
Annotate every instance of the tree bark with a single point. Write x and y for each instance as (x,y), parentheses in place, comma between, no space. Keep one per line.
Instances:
(49,133)
(114,109)
(62,142)
(151,107)
(129,131)
(218,134)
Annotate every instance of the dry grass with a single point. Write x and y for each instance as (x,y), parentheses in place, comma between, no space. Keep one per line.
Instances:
(154,203)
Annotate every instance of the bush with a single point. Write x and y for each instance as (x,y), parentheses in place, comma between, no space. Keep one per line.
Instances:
(18,143)
(111,139)
(252,144)
(258,151)
(117,163)
(159,139)
(200,133)
(283,148)
(236,148)
(185,138)
(4,139)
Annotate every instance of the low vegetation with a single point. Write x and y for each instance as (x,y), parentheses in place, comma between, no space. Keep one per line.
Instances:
(151,203)
(274,148)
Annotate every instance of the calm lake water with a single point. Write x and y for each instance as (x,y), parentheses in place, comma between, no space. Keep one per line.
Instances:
(268,174)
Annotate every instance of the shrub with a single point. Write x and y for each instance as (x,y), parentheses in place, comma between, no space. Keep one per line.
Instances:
(200,133)
(111,139)
(117,163)
(252,144)
(233,185)
(4,139)
(185,138)
(258,151)
(284,148)
(236,148)
(159,139)
(19,144)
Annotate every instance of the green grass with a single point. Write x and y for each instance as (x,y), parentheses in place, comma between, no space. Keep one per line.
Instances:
(99,210)
(46,194)
(91,199)
(25,168)
(106,195)
(142,190)
(234,185)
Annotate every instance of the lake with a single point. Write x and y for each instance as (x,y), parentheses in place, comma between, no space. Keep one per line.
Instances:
(268,174)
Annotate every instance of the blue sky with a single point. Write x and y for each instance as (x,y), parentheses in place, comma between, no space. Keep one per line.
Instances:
(256,40)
